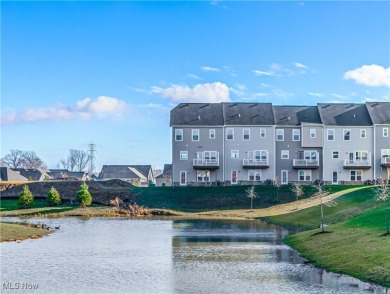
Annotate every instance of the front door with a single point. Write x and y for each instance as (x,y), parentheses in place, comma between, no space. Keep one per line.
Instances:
(183,178)
(234,177)
(284,177)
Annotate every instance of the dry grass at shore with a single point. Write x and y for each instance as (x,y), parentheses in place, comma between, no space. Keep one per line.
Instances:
(17,232)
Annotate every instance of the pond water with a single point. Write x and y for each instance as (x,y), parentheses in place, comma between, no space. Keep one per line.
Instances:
(112,255)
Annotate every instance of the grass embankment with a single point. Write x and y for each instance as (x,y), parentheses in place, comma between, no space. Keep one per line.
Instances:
(355,245)
(15,232)
(196,199)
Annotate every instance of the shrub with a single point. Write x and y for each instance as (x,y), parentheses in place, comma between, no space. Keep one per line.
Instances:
(26,198)
(53,197)
(83,196)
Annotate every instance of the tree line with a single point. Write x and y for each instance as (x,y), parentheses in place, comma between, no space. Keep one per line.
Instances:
(77,160)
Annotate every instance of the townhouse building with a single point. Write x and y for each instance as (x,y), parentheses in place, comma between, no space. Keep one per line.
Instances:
(254,143)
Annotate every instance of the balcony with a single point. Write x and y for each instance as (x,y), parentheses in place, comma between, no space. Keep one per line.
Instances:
(255,163)
(357,163)
(306,163)
(206,160)
(385,162)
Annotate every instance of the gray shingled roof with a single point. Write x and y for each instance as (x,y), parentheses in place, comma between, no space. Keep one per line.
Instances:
(7,174)
(31,174)
(295,115)
(64,173)
(123,171)
(248,113)
(379,112)
(344,114)
(167,171)
(197,114)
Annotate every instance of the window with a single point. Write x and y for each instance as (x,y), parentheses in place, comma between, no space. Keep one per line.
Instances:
(254,175)
(304,175)
(262,133)
(296,135)
(212,134)
(285,154)
(279,135)
(178,135)
(385,132)
(361,155)
(233,177)
(313,133)
(195,135)
(234,154)
(203,176)
(347,135)
(335,154)
(246,134)
(330,133)
(229,134)
(363,133)
(183,178)
(183,155)
(385,152)
(356,175)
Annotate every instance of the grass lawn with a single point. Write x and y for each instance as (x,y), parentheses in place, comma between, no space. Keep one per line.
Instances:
(13,232)
(196,199)
(10,208)
(348,206)
(356,247)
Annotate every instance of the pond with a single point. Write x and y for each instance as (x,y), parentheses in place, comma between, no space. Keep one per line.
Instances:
(113,255)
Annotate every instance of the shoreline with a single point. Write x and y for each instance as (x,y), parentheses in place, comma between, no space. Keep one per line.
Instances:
(18,231)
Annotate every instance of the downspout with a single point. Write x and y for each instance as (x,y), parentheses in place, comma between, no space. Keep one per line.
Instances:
(223,153)
(274,151)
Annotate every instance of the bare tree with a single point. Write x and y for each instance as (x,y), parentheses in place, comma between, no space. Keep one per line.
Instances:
(14,159)
(76,160)
(22,159)
(321,193)
(382,193)
(297,190)
(251,194)
(31,160)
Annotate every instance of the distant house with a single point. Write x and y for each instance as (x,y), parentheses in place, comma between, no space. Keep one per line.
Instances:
(9,175)
(165,179)
(138,175)
(33,174)
(64,174)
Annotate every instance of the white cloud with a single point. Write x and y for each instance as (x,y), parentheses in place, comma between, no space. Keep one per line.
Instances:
(300,65)
(338,96)
(264,85)
(263,73)
(260,94)
(282,94)
(194,76)
(209,68)
(370,75)
(239,89)
(85,109)
(208,92)
(155,106)
(315,94)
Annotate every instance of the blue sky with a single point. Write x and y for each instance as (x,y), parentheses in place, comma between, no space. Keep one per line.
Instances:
(109,72)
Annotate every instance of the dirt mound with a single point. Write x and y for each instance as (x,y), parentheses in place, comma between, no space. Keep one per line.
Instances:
(101,191)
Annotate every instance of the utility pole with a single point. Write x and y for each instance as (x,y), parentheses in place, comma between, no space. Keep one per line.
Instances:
(92,150)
